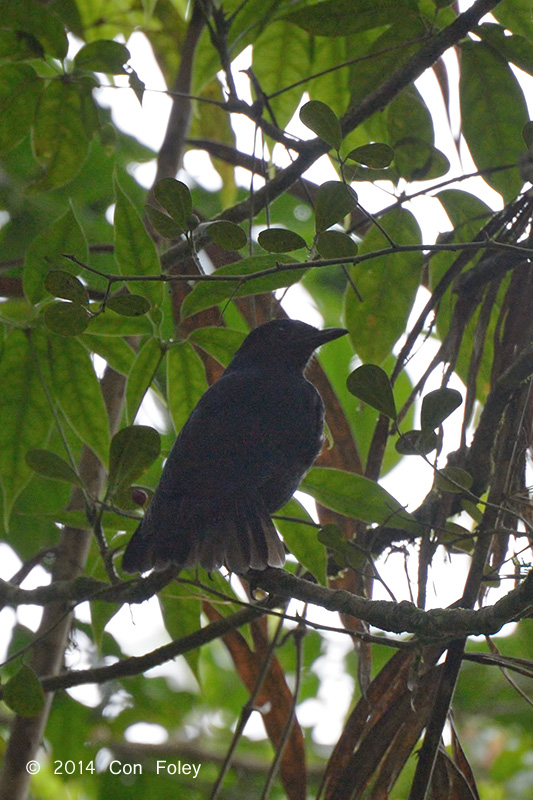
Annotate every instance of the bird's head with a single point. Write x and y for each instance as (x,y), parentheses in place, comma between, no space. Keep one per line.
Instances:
(283,342)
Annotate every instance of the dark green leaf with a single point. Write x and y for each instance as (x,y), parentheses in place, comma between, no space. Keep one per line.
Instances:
(416,160)
(20,88)
(132,451)
(206,294)
(301,539)
(417,443)
(18,45)
(371,384)
(375,155)
(334,200)
(356,496)
(176,198)
(438,405)
(280,240)
(339,18)
(335,244)
(66,319)
(59,137)
(186,382)
(61,283)
(499,90)
(129,305)
(527,134)
(163,224)
(23,693)
(453,479)
(49,464)
(135,251)
(137,85)
(38,20)
(323,121)
(103,56)
(227,234)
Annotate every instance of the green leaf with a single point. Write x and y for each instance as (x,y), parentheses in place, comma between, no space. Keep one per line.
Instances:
(227,234)
(142,374)
(356,496)
(371,384)
(23,693)
(77,390)
(63,236)
(388,287)
(416,160)
(38,20)
(50,465)
(499,90)
(103,56)
(112,324)
(26,416)
(19,46)
(221,343)
(113,349)
(137,85)
(335,244)
(181,615)
(206,294)
(66,319)
(129,305)
(409,116)
(527,134)
(163,224)
(417,443)
(59,139)
(175,197)
(280,240)
(20,88)
(61,283)
(339,18)
(320,118)
(135,252)
(302,540)
(186,382)
(132,451)
(438,405)
(334,200)
(453,479)
(375,155)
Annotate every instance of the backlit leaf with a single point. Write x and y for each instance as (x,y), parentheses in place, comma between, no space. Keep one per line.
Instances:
(371,384)
(334,200)
(320,118)
(132,451)
(280,240)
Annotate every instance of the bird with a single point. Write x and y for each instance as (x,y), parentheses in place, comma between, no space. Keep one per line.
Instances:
(238,459)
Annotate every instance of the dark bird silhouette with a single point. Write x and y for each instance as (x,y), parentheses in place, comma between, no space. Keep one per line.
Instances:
(239,457)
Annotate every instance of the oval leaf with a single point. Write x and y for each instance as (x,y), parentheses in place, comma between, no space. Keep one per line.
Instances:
(175,198)
(453,479)
(320,118)
(66,319)
(103,56)
(280,240)
(163,224)
(129,305)
(371,384)
(50,465)
(375,155)
(334,200)
(63,284)
(438,405)
(417,443)
(227,234)
(132,451)
(335,244)
(23,693)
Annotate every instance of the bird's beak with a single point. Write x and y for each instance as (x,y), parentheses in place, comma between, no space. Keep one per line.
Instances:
(328,334)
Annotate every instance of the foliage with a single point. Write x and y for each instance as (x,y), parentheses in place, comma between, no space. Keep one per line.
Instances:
(98,317)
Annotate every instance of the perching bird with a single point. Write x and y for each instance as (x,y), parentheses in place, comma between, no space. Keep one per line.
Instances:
(239,457)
